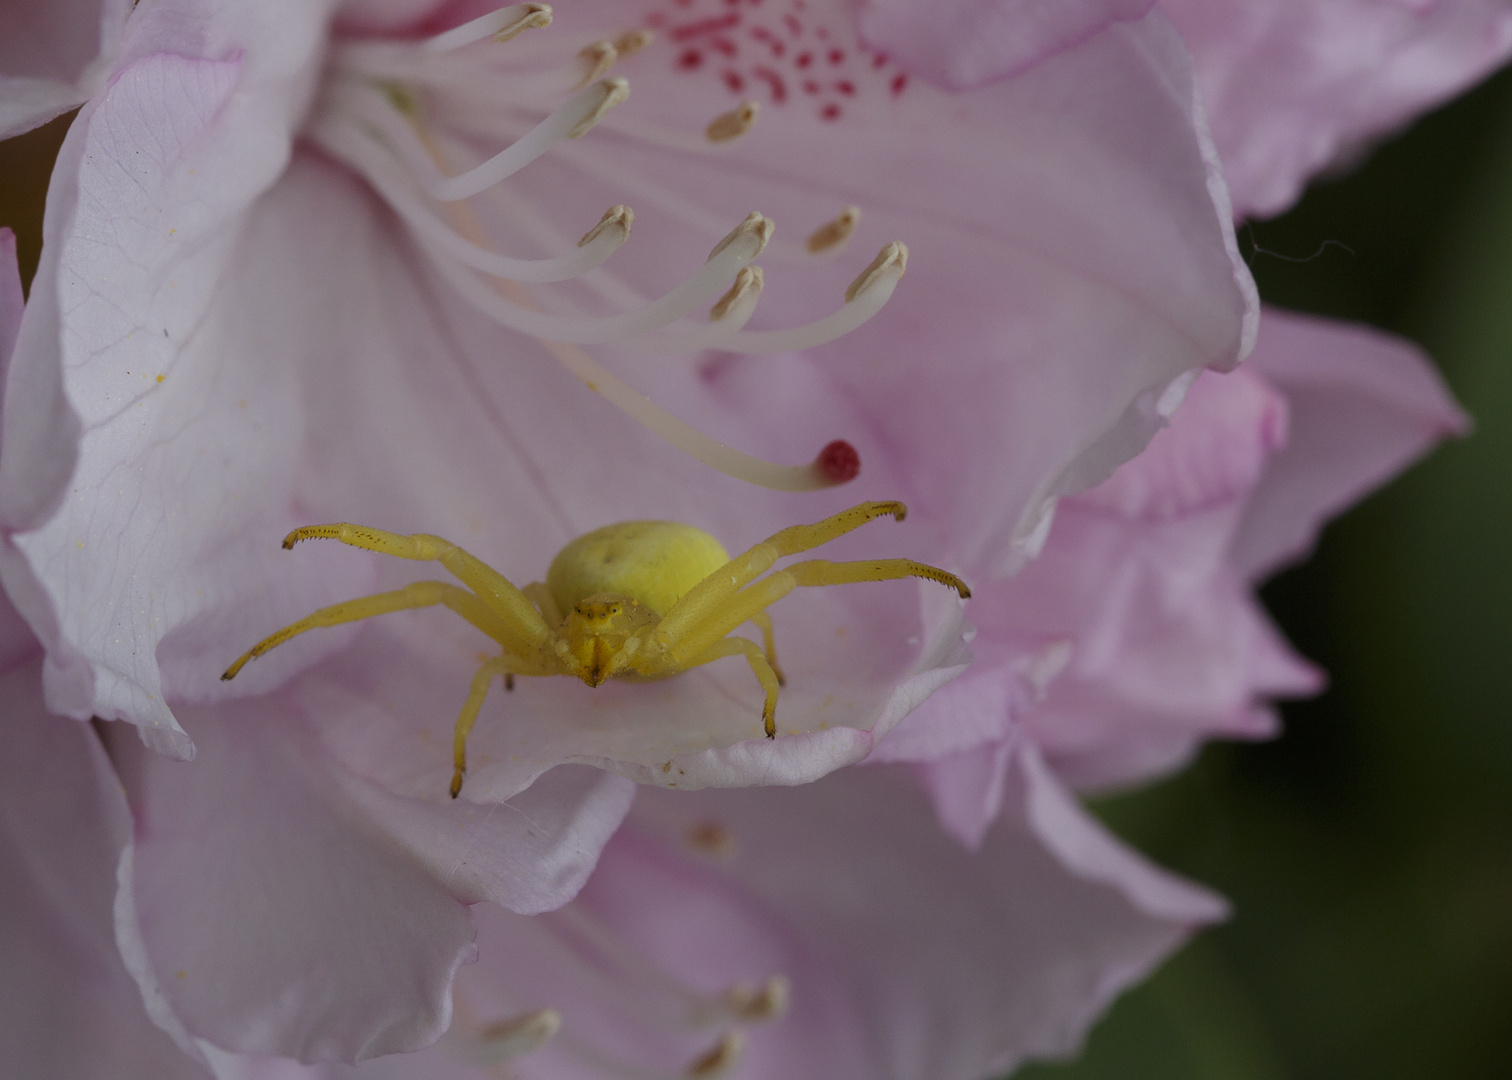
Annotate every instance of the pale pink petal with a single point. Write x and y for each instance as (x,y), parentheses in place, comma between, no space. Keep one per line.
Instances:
(53,55)
(68,1007)
(290,906)
(151,181)
(916,958)
(1292,86)
(961,44)
(1071,264)
(272,919)
(1364,405)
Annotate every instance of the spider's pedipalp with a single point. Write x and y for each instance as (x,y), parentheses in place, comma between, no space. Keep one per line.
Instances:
(417,595)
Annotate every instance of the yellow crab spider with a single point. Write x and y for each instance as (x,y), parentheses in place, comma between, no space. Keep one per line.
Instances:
(643,600)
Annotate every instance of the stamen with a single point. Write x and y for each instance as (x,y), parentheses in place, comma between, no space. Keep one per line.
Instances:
(501,25)
(733,124)
(757,1006)
(747,286)
(570,121)
(890,264)
(371,161)
(701,288)
(507,1039)
(865,297)
(615,91)
(755,224)
(834,233)
(599,58)
(633,41)
(720,1058)
(616,219)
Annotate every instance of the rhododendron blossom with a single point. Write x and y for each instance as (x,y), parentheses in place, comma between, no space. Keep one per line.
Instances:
(309,263)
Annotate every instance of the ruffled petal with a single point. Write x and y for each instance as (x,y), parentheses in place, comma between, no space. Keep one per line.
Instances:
(1068,267)
(68,1007)
(273,918)
(1364,405)
(1292,86)
(53,55)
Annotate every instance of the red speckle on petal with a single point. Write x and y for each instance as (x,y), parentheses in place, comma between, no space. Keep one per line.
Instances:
(804,59)
(839,462)
(733,80)
(846,87)
(830,112)
(689,60)
(836,56)
(900,80)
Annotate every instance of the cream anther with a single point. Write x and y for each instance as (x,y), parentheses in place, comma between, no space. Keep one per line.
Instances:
(733,124)
(597,58)
(747,287)
(755,224)
(834,233)
(612,91)
(507,1039)
(889,264)
(633,41)
(719,1060)
(501,25)
(618,218)
(767,1003)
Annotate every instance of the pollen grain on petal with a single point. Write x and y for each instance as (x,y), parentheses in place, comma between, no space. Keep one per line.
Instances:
(833,233)
(732,124)
(891,262)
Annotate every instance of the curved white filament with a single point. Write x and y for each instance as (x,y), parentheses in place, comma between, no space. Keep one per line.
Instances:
(566,122)
(373,162)
(698,291)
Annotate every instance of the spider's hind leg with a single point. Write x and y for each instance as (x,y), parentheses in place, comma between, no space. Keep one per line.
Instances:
(418,595)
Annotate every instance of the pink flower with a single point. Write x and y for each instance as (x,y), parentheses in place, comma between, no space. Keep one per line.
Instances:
(230,336)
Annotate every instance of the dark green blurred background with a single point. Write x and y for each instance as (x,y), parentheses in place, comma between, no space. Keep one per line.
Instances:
(1368,852)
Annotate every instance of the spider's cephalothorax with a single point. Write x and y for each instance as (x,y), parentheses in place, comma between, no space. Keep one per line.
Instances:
(642,600)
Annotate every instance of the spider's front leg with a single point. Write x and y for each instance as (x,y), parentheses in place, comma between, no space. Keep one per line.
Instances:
(711,595)
(524,629)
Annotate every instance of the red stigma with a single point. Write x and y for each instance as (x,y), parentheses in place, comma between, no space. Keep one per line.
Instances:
(839,462)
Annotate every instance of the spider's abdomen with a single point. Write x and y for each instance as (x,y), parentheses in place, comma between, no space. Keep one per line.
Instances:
(654,563)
